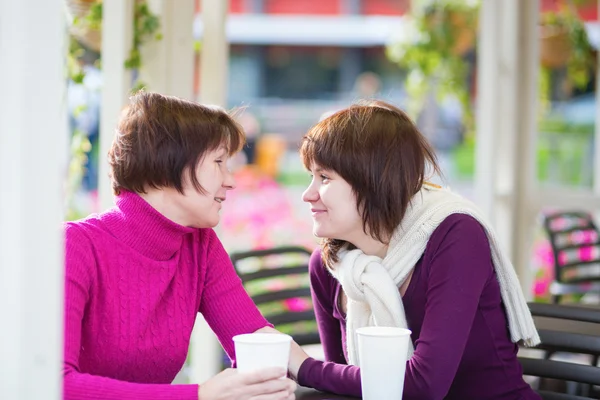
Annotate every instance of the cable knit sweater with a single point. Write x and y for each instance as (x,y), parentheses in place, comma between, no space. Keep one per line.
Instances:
(134,283)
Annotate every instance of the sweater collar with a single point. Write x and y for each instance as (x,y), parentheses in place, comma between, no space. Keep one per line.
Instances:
(143,228)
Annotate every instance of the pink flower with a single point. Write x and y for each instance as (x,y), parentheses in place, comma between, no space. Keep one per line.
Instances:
(298,304)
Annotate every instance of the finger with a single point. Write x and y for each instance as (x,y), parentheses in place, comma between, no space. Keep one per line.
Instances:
(263,375)
(270,387)
(292,385)
(228,371)
(283,395)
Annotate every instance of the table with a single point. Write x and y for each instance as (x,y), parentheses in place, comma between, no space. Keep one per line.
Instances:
(303,393)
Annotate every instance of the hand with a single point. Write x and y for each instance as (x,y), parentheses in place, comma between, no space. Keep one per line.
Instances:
(260,385)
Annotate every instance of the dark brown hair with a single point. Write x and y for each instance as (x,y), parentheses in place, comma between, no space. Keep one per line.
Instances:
(159,137)
(379,151)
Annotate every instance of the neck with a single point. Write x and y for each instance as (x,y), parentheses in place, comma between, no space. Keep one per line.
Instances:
(371,246)
(161,202)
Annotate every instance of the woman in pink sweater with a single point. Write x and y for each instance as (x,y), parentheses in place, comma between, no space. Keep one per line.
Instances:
(138,274)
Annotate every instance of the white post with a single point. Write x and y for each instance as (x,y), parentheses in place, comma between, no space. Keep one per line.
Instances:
(168,66)
(526,124)
(506,124)
(597,130)
(214,60)
(117,36)
(33,144)
(487,105)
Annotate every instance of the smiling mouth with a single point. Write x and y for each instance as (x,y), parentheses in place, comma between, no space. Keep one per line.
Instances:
(219,199)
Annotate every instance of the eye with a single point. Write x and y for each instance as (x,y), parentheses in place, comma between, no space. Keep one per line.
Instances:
(324,177)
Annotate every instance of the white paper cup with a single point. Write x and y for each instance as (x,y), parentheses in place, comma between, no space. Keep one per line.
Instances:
(255,351)
(382,353)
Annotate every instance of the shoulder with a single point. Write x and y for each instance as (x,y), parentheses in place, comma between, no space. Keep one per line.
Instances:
(459,236)
(458,226)
(315,263)
(80,232)
(460,240)
(81,253)
(320,276)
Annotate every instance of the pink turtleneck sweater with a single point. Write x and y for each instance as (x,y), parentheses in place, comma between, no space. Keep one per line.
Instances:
(134,283)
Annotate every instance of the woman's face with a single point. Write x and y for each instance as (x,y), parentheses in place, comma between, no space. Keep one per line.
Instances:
(333,206)
(201,210)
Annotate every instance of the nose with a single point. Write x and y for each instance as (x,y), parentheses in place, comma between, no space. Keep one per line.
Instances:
(311,194)
(229,181)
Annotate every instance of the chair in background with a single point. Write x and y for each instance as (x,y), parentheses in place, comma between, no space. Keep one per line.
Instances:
(575,242)
(568,332)
(278,283)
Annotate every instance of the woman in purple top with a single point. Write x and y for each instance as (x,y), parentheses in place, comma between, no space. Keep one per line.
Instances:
(138,274)
(399,251)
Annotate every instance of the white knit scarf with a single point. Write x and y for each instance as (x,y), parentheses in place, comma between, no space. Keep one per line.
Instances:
(371,284)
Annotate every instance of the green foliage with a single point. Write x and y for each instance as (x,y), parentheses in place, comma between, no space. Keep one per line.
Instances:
(80,147)
(146,27)
(74,70)
(431,50)
(580,64)
(560,154)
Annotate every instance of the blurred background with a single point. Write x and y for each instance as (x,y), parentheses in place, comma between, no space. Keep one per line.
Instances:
(505,90)
(292,62)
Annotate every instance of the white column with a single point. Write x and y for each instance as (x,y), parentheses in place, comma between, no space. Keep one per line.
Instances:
(168,66)
(213,90)
(33,152)
(597,130)
(214,58)
(117,36)
(506,124)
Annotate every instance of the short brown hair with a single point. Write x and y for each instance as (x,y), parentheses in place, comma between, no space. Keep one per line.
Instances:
(158,137)
(379,151)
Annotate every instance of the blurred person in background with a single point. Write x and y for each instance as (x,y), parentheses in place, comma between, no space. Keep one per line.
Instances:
(138,273)
(399,251)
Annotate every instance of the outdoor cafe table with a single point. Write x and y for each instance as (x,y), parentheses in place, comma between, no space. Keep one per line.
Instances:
(303,393)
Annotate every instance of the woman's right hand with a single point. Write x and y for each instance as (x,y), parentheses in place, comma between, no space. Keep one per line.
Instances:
(259,385)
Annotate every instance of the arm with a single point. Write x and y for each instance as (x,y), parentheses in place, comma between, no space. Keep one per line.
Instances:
(459,269)
(225,305)
(79,281)
(333,375)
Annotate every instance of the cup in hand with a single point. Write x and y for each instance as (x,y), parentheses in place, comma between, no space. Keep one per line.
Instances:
(254,351)
(382,353)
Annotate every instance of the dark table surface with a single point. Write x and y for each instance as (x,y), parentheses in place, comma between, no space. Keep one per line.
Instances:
(303,393)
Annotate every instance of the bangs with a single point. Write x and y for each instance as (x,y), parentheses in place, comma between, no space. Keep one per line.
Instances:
(228,135)
(324,144)
(233,138)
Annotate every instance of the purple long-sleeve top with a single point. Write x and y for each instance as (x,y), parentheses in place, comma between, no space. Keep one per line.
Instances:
(459,326)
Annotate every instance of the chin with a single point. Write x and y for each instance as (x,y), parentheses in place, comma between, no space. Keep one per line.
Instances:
(321,234)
